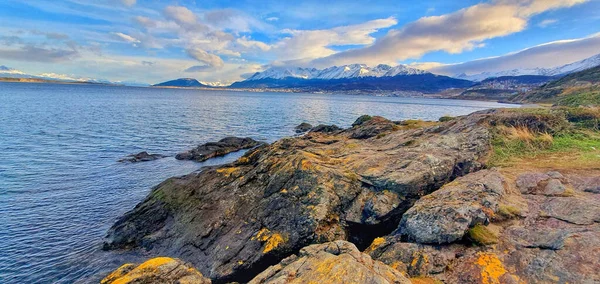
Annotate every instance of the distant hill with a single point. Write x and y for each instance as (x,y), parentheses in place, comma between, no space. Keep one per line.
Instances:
(503,88)
(523,79)
(579,88)
(424,82)
(182,83)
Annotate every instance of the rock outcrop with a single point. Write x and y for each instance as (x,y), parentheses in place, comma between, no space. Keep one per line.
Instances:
(334,262)
(303,127)
(233,221)
(156,270)
(216,149)
(141,157)
(542,235)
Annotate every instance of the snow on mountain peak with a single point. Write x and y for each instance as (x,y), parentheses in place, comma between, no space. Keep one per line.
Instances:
(336,72)
(556,71)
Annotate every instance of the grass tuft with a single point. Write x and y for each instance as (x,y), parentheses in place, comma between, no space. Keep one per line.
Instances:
(481,235)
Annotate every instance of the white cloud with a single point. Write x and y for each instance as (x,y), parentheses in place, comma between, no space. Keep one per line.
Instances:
(272,19)
(310,44)
(463,30)
(547,55)
(125,37)
(180,15)
(547,22)
(210,61)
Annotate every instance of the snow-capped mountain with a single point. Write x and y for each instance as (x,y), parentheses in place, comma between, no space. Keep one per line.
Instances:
(556,71)
(4,71)
(336,72)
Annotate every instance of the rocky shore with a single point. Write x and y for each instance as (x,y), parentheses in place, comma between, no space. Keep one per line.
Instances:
(216,149)
(383,202)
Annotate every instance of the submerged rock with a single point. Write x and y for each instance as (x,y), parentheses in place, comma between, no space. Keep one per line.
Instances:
(235,220)
(303,127)
(141,157)
(156,270)
(215,149)
(334,262)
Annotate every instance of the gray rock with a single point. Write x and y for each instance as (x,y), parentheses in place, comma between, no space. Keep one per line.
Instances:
(445,215)
(334,262)
(303,127)
(141,157)
(215,149)
(235,220)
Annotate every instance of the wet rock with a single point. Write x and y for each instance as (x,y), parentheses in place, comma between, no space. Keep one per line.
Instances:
(156,270)
(322,128)
(215,149)
(303,127)
(235,220)
(141,157)
(334,262)
(445,215)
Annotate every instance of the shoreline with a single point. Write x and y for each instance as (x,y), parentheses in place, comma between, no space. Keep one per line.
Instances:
(298,181)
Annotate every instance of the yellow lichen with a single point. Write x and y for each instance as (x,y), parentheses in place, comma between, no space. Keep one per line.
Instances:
(284,190)
(377,242)
(243,160)
(148,267)
(491,268)
(273,240)
(424,280)
(240,262)
(118,273)
(154,263)
(227,171)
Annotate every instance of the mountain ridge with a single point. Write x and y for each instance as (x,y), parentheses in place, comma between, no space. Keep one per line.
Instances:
(562,70)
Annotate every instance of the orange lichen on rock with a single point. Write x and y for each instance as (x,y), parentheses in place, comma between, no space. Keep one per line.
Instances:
(156,270)
(377,242)
(118,273)
(272,240)
(491,268)
(227,171)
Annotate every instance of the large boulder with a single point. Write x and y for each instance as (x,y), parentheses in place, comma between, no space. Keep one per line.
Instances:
(215,149)
(445,215)
(548,239)
(334,262)
(235,220)
(156,270)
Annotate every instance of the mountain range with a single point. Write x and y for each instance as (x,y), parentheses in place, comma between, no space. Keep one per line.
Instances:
(556,71)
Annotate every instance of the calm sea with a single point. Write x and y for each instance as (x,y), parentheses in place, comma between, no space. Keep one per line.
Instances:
(61,187)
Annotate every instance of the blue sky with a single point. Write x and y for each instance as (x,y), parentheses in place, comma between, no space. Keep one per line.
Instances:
(223,41)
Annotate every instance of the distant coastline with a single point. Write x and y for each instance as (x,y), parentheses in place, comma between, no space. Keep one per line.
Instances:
(37,80)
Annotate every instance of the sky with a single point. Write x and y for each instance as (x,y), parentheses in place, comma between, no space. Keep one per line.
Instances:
(150,41)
